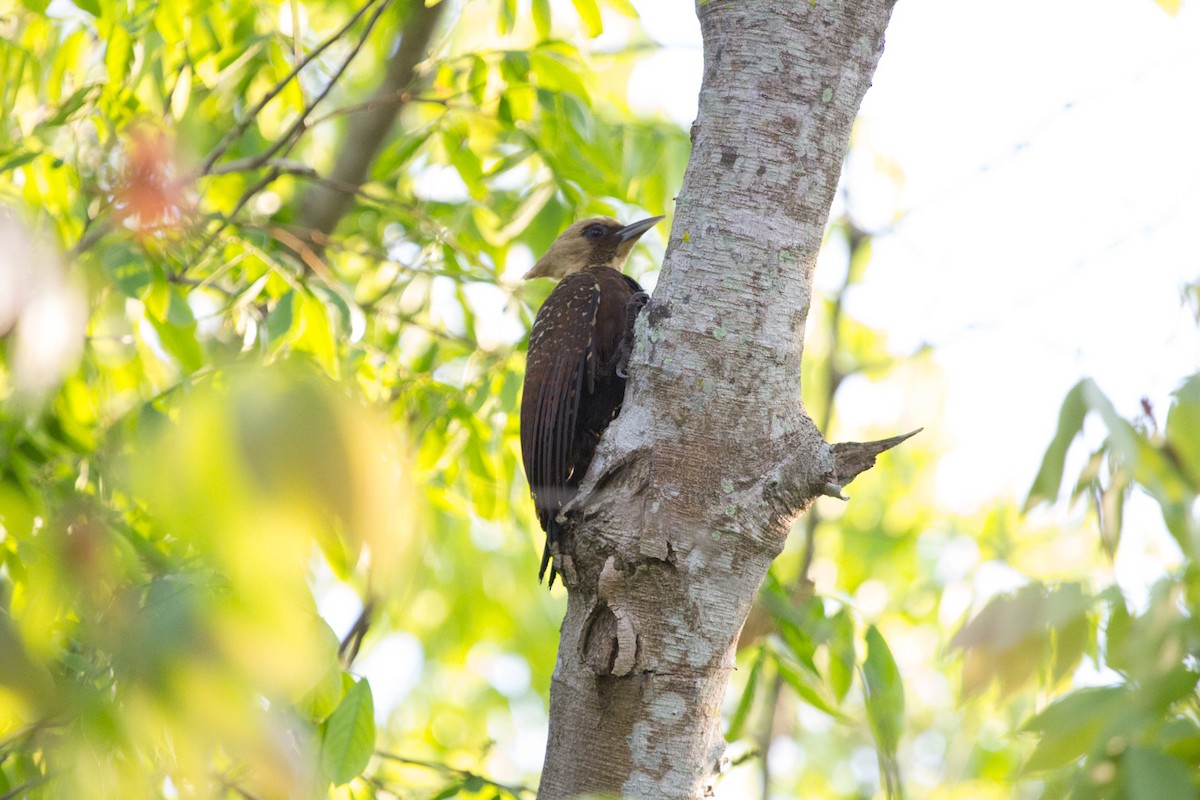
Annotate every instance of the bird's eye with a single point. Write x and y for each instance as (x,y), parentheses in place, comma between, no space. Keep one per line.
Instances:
(594,232)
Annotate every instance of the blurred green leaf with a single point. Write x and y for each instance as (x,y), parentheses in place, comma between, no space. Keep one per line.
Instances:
(1070,642)
(508,16)
(738,721)
(1150,773)
(842,656)
(117,55)
(807,686)
(348,736)
(477,79)
(1006,641)
(1070,422)
(1117,636)
(180,342)
(1183,429)
(12,162)
(589,12)
(884,692)
(1070,726)
(279,320)
(541,18)
(82,96)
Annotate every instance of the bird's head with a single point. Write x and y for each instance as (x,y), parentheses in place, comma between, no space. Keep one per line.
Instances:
(595,242)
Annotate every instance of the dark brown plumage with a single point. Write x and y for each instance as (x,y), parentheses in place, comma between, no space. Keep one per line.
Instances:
(574,375)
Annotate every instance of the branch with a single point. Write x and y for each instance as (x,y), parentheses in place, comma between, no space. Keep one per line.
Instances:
(853,458)
(229,138)
(100,228)
(23,788)
(805,474)
(348,648)
(292,134)
(323,205)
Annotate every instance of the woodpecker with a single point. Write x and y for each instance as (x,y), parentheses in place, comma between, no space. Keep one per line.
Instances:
(578,352)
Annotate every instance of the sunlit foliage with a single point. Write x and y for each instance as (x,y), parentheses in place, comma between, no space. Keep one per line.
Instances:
(222,434)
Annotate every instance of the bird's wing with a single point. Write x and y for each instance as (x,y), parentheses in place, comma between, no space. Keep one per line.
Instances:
(560,368)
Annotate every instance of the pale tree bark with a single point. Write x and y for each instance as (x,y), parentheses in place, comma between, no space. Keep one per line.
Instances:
(697,482)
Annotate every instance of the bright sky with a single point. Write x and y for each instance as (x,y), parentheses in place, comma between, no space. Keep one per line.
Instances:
(1049,199)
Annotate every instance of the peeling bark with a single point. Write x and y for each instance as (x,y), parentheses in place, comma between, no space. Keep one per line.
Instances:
(696,484)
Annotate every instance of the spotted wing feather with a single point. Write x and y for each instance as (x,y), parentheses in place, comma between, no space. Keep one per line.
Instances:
(559,372)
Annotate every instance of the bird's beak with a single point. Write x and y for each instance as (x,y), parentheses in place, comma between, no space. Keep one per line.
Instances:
(634,230)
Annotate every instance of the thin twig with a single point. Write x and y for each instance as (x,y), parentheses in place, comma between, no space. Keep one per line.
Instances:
(24,787)
(515,791)
(228,139)
(292,133)
(348,649)
(247,195)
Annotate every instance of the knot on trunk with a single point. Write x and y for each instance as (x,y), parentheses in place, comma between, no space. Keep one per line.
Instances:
(609,642)
(802,476)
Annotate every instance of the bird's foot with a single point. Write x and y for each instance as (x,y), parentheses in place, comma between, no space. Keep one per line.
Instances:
(637,301)
(633,306)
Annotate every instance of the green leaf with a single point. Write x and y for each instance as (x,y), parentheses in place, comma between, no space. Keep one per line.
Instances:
(315,334)
(398,153)
(807,686)
(1070,423)
(557,74)
(1169,687)
(18,160)
(477,79)
(1154,774)
(1181,738)
(738,721)
(514,66)
(541,18)
(180,342)
(884,692)
(508,16)
(118,55)
(68,107)
(1069,726)
(1004,621)
(279,321)
(348,736)
(1070,641)
(1116,636)
(589,12)
(178,310)
(453,790)
(1183,429)
(842,657)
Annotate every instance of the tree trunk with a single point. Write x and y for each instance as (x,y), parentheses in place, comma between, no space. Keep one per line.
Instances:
(697,482)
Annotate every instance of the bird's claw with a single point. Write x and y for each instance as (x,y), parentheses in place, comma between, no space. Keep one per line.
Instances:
(633,306)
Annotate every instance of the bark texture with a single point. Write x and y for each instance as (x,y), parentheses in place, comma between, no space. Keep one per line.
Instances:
(697,482)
